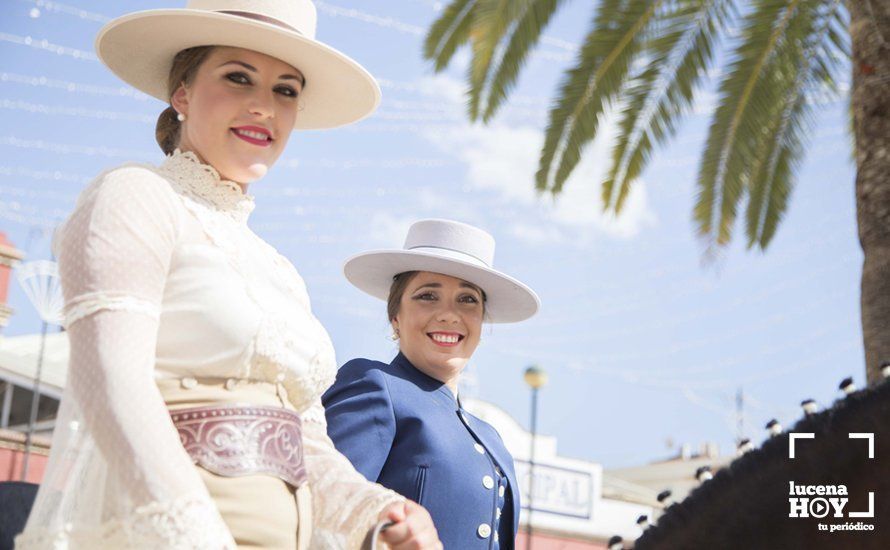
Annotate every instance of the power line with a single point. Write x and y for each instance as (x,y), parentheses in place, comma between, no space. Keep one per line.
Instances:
(82,112)
(15,211)
(378,20)
(66,149)
(663,376)
(58,7)
(52,175)
(394,110)
(46,45)
(682,289)
(74,87)
(360,163)
(26,193)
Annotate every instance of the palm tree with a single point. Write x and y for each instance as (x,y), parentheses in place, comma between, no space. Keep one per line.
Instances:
(646,59)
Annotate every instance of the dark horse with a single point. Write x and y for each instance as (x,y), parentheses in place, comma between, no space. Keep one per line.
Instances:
(747,505)
(16,500)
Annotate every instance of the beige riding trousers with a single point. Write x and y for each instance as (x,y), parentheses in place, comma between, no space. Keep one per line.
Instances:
(260,510)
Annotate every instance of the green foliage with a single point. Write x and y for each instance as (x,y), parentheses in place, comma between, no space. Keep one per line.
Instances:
(679,52)
(501,33)
(521,36)
(648,58)
(804,66)
(449,32)
(492,20)
(754,141)
(591,86)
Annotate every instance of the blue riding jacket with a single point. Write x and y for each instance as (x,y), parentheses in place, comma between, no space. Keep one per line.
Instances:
(406,431)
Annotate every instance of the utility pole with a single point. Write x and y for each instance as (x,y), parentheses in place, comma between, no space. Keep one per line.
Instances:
(740,415)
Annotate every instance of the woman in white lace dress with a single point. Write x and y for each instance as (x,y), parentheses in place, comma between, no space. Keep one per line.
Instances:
(192,414)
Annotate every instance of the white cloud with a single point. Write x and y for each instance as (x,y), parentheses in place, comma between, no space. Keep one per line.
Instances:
(504,159)
(539,234)
(444,88)
(450,205)
(387,230)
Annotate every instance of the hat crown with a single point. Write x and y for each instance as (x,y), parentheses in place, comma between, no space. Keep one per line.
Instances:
(298,15)
(449,248)
(456,237)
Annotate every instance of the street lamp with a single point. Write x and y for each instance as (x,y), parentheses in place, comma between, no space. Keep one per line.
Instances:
(42,285)
(536,378)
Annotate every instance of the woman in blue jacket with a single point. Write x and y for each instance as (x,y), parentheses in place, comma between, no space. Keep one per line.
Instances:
(402,424)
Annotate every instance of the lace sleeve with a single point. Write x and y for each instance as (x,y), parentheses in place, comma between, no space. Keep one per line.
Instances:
(114,250)
(345,504)
(114,254)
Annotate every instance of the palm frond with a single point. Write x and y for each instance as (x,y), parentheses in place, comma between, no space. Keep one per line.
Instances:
(805,66)
(751,93)
(591,86)
(520,37)
(769,196)
(838,33)
(448,32)
(680,52)
(492,19)
(789,56)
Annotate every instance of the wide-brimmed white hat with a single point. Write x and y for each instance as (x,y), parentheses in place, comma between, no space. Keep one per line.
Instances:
(450,248)
(140,47)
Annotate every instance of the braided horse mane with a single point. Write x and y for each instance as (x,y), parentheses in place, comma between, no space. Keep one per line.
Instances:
(746,504)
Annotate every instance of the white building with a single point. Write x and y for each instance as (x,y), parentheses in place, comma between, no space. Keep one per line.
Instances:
(574,504)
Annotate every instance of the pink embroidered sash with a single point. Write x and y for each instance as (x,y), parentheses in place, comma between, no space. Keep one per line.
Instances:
(237,440)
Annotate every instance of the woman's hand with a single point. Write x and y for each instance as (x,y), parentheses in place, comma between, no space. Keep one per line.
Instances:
(412,528)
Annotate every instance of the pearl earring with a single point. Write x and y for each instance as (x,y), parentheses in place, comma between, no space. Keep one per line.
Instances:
(395,335)
(180,117)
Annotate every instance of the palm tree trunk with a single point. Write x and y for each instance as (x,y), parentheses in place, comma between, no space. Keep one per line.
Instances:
(870,102)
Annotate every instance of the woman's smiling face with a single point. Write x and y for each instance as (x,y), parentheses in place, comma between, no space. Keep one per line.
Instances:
(239,111)
(439,323)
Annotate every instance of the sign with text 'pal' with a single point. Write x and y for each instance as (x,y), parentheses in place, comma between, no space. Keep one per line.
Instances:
(557,490)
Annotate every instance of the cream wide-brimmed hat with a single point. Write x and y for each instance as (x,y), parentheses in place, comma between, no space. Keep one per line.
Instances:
(140,47)
(450,248)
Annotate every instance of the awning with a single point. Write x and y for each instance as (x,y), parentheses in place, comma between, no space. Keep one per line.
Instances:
(18,361)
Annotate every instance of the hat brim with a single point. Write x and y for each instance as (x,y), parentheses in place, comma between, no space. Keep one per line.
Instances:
(507,300)
(140,47)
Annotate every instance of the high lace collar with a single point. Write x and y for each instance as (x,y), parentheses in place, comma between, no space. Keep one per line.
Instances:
(203,183)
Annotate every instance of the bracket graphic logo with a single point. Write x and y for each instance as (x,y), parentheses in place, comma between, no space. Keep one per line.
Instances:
(819,501)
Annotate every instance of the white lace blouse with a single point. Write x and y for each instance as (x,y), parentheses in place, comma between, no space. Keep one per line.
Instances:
(163,278)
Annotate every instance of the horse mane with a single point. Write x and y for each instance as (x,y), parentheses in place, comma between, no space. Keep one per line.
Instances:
(746,504)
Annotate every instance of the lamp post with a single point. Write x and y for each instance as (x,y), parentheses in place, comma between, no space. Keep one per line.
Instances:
(41,282)
(536,378)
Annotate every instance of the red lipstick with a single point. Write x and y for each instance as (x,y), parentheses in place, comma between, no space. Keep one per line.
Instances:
(255,135)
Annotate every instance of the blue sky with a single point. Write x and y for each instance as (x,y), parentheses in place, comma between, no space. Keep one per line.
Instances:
(642,341)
